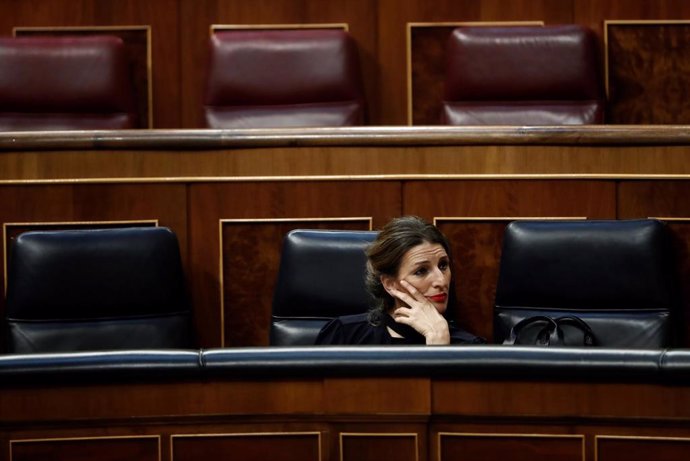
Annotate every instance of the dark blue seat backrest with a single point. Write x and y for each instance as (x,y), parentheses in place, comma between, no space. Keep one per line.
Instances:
(321,276)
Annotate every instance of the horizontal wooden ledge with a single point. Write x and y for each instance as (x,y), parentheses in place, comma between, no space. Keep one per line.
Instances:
(187,139)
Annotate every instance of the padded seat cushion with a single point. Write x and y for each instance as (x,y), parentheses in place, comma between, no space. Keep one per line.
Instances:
(65,83)
(96,289)
(522,76)
(283,78)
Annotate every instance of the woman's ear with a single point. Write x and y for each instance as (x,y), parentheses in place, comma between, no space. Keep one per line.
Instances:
(388,283)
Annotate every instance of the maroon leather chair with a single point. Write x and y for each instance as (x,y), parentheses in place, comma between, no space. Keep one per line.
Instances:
(283,78)
(522,76)
(65,83)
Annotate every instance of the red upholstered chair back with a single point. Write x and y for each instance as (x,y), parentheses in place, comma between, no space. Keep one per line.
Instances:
(283,78)
(65,83)
(523,76)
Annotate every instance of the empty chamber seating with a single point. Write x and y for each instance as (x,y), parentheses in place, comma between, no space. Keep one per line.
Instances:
(522,76)
(321,276)
(80,290)
(283,78)
(618,276)
(65,83)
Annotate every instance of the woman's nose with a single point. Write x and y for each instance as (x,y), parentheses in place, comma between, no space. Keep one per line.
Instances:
(439,278)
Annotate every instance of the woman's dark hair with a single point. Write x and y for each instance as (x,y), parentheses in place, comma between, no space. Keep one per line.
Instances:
(386,253)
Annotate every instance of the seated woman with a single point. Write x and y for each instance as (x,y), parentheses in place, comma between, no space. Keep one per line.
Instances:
(409,275)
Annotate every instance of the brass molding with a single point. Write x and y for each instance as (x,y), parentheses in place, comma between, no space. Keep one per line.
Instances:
(213,28)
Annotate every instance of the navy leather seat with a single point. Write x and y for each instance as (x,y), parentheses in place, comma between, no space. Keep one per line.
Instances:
(618,276)
(84,290)
(321,276)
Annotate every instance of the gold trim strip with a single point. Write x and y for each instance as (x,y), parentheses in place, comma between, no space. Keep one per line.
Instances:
(670,218)
(336,25)
(507,218)
(363,177)
(641,437)
(71,439)
(221,222)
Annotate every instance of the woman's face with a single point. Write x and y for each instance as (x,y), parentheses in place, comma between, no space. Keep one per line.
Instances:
(427,268)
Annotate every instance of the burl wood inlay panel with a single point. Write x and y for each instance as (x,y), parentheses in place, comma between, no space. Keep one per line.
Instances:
(648,73)
(427,71)
(516,447)
(476,247)
(248,447)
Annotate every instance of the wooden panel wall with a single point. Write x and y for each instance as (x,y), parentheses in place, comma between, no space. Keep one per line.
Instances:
(338,419)
(180,30)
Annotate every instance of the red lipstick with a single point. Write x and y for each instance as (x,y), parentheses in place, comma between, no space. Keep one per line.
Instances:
(439,298)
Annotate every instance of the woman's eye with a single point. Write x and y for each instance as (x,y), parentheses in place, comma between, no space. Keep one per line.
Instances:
(420,271)
(443,265)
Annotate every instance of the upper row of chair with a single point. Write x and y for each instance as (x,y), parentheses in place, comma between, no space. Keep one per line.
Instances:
(306,77)
(77,290)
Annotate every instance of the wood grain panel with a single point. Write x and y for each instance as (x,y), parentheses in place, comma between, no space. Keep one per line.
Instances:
(377,447)
(246,302)
(210,203)
(518,447)
(648,72)
(115,402)
(641,448)
(593,13)
(510,198)
(666,200)
(84,449)
(344,396)
(558,399)
(251,447)
(476,247)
